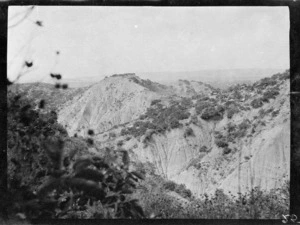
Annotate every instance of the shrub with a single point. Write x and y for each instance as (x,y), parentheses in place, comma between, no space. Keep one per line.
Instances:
(285,75)
(186,102)
(270,94)
(213,113)
(170,185)
(124,132)
(256,103)
(221,143)
(231,111)
(201,105)
(261,113)
(263,83)
(112,135)
(226,150)
(54,186)
(188,132)
(175,124)
(154,102)
(203,149)
(275,113)
(120,143)
(194,119)
(142,117)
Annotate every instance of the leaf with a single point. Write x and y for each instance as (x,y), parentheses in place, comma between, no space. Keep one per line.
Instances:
(90,187)
(131,183)
(81,164)
(54,149)
(90,174)
(138,175)
(48,186)
(138,208)
(110,199)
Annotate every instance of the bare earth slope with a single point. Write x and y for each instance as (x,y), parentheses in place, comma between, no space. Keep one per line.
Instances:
(113,101)
(234,152)
(205,138)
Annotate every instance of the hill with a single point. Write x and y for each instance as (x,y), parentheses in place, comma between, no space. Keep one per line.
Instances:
(190,139)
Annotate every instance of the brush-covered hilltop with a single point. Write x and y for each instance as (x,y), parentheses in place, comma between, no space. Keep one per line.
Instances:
(188,132)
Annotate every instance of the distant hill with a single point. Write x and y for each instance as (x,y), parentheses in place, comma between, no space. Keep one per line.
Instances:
(217,78)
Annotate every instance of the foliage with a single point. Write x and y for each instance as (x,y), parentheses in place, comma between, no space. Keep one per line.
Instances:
(203,149)
(265,82)
(213,113)
(26,129)
(226,150)
(232,109)
(275,113)
(154,102)
(221,143)
(45,182)
(256,204)
(189,132)
(194,119)
(270,94)
(256,103)
(120,143)
(201,105)
(183,191)
(162,119)
(112,135)
(170,185)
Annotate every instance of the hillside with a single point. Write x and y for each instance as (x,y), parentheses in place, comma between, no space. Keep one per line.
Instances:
(234,139)
(116,100)
(188,133)
(53,97)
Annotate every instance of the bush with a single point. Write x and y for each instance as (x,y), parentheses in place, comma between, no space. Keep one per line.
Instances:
(112,135)
(142,117)
(226,150)
(186,102)
(175,124)
(188,132)
(256,103)
(201,105)
(183,191)
(154,102)
(275,113)
(194,119)
(124,132)
(46,183)
(203,149)
(221,143)
(285,75)
(213,113)
(270,94)
(170,185)
(120,143)
(231,111)
(263,83)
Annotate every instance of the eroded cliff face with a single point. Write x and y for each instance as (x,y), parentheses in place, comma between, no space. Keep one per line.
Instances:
(258,154)
(113,101)
(260,158)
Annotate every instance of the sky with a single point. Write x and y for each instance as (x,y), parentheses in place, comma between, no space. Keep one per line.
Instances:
(101,41)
